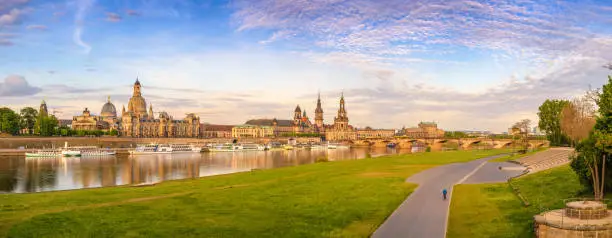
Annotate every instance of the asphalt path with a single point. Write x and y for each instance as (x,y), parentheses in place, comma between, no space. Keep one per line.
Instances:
(424,214)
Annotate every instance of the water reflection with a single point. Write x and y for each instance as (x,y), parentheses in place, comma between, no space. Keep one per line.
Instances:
(22,175)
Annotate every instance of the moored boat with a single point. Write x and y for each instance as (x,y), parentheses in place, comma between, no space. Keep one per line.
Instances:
(228,147)
(252,147)
(45,153)
(165,149)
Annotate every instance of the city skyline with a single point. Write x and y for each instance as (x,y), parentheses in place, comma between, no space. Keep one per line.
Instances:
(234,61)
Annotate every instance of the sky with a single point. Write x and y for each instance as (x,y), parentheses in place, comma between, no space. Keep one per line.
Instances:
(465,64)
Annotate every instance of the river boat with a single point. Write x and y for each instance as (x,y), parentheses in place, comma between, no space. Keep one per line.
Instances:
(252,147)
(165,149)
(338,146)
(45,153)
(288,147)
(227,147)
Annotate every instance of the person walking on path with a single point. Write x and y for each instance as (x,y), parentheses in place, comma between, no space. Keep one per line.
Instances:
(444,192)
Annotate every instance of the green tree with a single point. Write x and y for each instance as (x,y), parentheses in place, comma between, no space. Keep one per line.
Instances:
(593,155)
(550,120)
(46,125)
(28,118)
(9,121)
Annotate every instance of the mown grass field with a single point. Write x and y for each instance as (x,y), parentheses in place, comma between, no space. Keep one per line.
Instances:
(334,199)
(516,156)
(493,210)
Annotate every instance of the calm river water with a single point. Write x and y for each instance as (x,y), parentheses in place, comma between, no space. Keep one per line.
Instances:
(24,175)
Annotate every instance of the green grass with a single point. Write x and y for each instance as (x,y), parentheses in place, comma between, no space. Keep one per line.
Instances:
(515,156)
(335,199)
(493,210)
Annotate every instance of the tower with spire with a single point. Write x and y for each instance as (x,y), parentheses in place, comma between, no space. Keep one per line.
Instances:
(43,111)
(341,121)
(319,114)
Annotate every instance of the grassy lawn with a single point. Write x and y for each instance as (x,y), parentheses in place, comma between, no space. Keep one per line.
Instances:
(493,210)
(516,156)
(335,199)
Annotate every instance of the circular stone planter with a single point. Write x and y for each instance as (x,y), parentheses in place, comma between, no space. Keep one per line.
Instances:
(577,219)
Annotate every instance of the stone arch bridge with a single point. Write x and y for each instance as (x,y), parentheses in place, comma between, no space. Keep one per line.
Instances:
(464,143)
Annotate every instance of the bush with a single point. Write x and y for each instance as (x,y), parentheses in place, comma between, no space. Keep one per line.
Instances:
(428,149)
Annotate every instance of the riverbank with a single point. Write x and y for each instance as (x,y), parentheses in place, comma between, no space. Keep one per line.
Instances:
(344,198)
(124,142)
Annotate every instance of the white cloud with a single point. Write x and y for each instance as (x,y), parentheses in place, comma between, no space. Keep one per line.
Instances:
(15,85)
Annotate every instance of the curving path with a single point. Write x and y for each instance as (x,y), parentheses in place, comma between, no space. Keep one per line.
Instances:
(424,214)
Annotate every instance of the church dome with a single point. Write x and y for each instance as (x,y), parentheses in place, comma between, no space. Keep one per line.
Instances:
(108,110)
(138,105)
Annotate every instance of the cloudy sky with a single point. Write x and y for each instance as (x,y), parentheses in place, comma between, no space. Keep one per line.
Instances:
(466,64)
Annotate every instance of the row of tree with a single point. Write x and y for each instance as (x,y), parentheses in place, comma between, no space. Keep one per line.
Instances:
(27,122)
(584,123)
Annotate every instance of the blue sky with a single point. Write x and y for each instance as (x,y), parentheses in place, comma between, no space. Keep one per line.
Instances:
(467,64)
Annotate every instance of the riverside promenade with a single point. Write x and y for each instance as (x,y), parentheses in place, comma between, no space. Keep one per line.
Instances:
(424,214)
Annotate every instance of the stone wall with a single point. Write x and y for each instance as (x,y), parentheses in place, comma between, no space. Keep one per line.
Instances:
(546,231)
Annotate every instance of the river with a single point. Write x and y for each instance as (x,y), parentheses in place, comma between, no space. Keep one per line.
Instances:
(25,175)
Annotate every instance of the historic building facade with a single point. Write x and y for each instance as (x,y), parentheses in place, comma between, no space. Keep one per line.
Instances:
(251,131)
(138,122)
(369,133)
(216,131)
(106,121)
(340,130)
(425,130)
(88,122)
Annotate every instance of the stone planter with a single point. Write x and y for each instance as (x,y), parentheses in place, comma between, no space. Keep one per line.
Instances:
(580,218)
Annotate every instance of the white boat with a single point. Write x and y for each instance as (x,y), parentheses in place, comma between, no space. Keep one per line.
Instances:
(332,146)
(70,152)
(165,149)
(45,153)
(252,147)
(228,147)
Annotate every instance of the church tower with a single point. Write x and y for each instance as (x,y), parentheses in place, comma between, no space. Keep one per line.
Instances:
(43,109)
(151,117)
(297,115)
(319,114)
(341,121)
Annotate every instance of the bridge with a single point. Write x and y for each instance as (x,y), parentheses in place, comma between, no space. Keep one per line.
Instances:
(464,143)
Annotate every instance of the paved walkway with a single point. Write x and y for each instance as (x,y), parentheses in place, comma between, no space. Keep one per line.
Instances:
(424,214)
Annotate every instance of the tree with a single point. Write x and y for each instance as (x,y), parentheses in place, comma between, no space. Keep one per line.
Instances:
(522,131)
(595,150)
(46,125)
(549,115)
(28,118)
(578,119)
(9,121)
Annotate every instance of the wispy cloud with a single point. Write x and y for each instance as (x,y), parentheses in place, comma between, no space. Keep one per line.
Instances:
(132,12)
(113,17)
(37,27)
(83,7)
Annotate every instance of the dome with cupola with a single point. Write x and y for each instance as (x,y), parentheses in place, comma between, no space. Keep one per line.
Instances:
(137,104)
(108,110)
